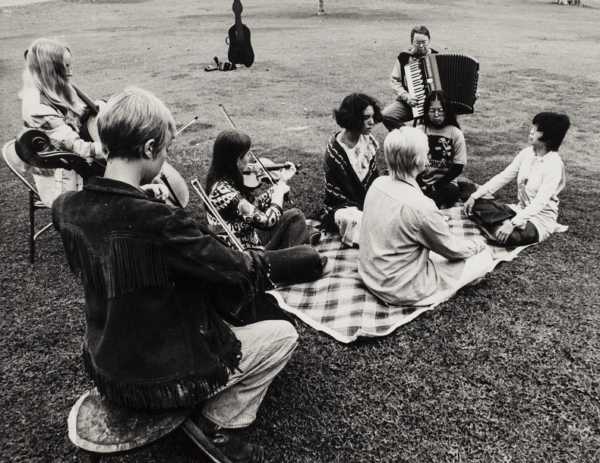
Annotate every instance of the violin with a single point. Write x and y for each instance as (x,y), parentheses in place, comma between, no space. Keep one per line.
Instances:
(255,174)
(238,36)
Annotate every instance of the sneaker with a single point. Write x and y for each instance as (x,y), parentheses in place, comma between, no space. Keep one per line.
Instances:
(236,449)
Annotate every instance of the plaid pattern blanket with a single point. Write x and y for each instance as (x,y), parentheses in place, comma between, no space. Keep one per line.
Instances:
(340,305)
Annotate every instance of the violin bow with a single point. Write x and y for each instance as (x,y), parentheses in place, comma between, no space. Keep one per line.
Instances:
(86,99)
(211,208)
(194,119)
(254,157)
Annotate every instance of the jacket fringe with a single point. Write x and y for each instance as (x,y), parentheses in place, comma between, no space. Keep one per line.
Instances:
(132,264)
(186,392)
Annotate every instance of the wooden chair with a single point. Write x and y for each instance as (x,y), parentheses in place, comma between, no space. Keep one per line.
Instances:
(20,170)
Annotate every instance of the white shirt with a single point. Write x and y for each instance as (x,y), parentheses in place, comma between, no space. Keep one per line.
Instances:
(539,181)
(360,155)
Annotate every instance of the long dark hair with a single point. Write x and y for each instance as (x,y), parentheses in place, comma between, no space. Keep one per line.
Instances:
(449,114)
(229,146)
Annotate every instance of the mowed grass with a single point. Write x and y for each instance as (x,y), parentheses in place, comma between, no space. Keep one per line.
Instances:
(507,371)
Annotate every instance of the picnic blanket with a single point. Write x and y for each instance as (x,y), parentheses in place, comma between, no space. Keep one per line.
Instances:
(340,305)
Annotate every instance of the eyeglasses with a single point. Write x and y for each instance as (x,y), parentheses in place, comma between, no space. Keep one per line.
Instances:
(436,110)
(421,44)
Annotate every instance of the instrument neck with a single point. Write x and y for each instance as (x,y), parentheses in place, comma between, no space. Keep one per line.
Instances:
(86,99)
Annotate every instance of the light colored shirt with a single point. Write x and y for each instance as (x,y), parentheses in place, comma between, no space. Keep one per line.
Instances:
(539,181)
(360,155)
(400,226)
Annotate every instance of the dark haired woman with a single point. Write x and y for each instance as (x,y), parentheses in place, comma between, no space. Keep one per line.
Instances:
(246,213)
(350,165)
(447,151)
(540,175)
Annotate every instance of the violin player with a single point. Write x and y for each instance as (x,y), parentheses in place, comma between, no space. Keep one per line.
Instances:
(245,213)
(164,298)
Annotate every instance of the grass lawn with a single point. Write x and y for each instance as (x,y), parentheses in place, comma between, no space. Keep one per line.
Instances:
(507,371)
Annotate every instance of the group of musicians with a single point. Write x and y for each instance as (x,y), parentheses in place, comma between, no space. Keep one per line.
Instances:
(207,336)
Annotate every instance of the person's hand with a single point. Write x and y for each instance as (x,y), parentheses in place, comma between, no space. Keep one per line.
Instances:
(281,188)
(469,205)
(411,101)
(157,190)
(288,172)
(480,246)
(504,231)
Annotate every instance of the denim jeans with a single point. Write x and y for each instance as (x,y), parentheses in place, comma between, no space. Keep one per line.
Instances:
(266,348)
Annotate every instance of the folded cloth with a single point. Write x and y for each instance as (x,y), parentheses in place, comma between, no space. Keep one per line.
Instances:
(340,305)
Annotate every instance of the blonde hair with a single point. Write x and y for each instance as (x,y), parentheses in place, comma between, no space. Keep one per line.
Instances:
(405,151)
(130,119)
(45,71)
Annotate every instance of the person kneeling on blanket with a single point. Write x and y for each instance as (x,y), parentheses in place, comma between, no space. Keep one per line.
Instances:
(540,175)
(401,226)
(174,317)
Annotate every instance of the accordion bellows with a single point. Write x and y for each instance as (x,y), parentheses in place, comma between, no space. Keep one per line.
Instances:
(456,75)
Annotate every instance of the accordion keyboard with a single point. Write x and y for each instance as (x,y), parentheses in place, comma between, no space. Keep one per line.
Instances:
(415,86)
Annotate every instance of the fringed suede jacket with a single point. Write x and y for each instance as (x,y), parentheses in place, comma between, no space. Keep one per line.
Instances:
(157,289)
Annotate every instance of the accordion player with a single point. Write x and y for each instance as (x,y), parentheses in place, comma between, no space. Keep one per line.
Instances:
(456,75)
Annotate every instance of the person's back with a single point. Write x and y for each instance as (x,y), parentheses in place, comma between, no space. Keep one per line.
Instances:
(171,311)
(138,308)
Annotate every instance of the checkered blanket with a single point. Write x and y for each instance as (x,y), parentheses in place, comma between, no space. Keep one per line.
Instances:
(340,305)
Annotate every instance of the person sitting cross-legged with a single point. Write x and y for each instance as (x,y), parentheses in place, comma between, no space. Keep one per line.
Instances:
(540,175)
(350,165)
(173,314)
(401,226)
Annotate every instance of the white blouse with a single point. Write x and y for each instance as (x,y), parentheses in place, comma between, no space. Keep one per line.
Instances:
(539,181)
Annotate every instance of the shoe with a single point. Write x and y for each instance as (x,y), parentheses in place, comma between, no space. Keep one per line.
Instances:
(236,449)
(315,238)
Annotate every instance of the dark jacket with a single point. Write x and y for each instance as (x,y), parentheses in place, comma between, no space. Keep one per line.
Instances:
(157,288)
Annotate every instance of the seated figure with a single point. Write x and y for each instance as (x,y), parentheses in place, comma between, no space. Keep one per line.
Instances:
(540,175)
(401,226)
(447,151)
(50,103)
(173,316)
(246,212)
(350,165)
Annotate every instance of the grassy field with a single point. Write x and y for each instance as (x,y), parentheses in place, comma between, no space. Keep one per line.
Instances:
(507,371)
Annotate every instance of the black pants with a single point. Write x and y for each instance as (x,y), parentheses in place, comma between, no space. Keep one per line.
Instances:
(291,259)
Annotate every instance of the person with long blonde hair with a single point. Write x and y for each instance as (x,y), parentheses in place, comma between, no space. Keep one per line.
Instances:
(50,103)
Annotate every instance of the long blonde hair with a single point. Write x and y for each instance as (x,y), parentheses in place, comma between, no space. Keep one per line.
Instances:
(45,71)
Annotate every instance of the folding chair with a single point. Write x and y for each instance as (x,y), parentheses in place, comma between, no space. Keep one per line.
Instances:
(16,166)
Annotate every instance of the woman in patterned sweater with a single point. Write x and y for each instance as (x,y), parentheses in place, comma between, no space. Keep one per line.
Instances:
(245,213)
(350,165)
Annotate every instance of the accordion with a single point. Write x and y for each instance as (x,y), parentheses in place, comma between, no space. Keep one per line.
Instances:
(456,75)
